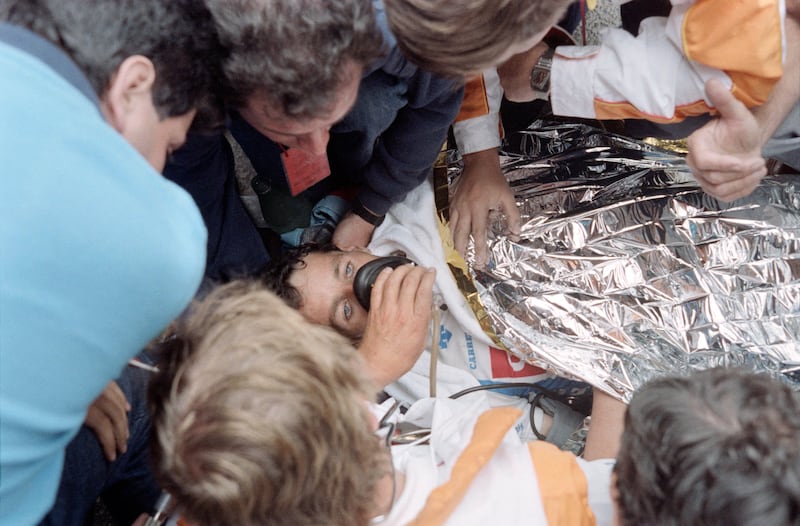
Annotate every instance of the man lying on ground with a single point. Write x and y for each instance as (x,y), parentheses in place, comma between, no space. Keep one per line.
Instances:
(394,335)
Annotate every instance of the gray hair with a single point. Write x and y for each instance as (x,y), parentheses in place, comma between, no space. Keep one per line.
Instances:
(293,52)
(456,37)
(721,447)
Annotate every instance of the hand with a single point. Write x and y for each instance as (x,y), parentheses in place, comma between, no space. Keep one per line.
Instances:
(481,188)
(725,154)
(515,74)
(352,232)
(108,418)
(398,320)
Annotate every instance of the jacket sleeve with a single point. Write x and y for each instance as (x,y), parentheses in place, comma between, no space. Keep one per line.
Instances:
(660,74)
(205,168)
(405,152)
(477,126)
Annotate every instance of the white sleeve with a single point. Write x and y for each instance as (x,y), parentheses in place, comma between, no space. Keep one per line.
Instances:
(598,480)
(482,132)
(646,76)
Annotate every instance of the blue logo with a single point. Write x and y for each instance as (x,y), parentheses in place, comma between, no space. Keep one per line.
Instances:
(444,337)
(473,360)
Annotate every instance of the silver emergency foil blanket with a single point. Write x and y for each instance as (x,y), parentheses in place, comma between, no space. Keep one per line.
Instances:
(626,270)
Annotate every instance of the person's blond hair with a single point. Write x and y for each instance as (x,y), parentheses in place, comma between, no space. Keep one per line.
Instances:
(458,37)
(260,417)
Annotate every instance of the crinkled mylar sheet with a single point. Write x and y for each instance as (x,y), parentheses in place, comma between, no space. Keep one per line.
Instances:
(625,269)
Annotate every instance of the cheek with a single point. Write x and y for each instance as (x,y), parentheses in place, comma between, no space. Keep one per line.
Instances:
(157,160)
(157,154)
(360,317)
(315,316)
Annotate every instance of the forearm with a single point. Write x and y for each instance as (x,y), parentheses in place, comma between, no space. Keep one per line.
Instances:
(605,431)
(786,92)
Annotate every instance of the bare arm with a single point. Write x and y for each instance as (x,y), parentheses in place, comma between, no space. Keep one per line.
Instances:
(605,431)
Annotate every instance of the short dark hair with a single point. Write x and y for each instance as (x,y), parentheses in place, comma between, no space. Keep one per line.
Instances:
(720,447)
(279,271)
(293,52)
(178,36)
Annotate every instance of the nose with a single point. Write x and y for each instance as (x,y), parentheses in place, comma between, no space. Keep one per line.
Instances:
(315,142)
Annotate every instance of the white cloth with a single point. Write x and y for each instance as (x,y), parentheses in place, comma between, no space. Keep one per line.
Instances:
(504,492)
(481,133)
(467,357)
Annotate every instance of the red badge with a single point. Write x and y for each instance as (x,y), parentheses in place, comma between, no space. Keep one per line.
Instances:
(506,365)
(304,170)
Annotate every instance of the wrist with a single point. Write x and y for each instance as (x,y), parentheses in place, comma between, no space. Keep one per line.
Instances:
(540,74)
(366,214)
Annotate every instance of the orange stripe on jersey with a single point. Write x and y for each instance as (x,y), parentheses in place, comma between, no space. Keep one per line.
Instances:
(741,38)
(489,431)
(606,110)
(475,102)
(562,485)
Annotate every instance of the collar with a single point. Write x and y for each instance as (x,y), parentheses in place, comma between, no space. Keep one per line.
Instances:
(56,59)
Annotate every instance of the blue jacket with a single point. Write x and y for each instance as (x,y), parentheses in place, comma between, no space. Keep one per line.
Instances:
(98,253)
(408,109)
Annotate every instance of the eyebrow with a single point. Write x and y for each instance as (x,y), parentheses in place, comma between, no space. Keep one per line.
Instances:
(335,306)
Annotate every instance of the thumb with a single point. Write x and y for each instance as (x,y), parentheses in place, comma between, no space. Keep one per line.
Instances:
(728,106)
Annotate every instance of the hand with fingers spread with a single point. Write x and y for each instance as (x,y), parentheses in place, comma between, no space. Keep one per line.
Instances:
(108,418)
(725,154)
(398,321)
(480,189)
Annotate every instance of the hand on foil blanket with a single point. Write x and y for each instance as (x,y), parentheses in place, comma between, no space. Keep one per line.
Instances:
(480,189)
(725,154)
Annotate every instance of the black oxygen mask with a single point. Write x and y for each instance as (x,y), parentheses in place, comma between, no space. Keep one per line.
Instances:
(368,273)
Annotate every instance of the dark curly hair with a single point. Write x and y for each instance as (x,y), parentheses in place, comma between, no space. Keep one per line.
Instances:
(278,272)
(720,447)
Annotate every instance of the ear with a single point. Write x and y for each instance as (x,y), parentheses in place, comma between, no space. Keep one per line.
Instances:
(129,92)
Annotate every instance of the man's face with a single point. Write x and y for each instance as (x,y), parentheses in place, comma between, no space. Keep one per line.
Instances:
(127,106)
(164,137)
(308,134)
(157,138)
(325,285)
